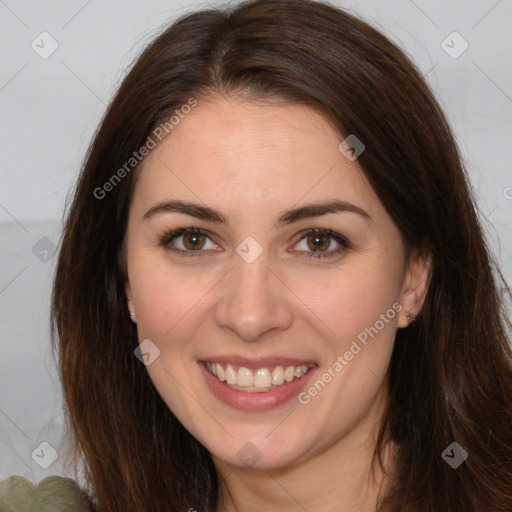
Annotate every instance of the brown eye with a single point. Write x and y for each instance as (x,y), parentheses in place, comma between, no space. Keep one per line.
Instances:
(188,242)
(318,242)
(193,241)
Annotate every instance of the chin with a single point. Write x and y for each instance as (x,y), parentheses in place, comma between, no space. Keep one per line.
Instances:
(261,448)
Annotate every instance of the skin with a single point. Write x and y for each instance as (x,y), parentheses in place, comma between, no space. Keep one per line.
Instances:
(251,162)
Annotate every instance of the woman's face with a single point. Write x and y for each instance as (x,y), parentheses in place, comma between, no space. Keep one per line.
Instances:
(254,297)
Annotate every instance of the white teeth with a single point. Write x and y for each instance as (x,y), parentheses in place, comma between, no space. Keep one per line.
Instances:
(230,375)
(220,372)
(262,378)
(298,371)
(278,376)
(289,373)
(258,380)
(244,377)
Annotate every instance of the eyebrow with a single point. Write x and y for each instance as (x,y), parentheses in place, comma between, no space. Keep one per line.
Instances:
(286,217)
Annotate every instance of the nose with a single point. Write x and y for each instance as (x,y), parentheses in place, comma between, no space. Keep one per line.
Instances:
(254,301)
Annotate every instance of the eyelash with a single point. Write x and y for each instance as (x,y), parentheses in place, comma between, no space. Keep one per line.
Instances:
(167,237)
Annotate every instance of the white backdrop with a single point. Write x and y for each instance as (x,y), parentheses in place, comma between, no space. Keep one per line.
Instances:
(60,64)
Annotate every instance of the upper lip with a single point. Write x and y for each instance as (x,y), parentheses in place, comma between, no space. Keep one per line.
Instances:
(258,362)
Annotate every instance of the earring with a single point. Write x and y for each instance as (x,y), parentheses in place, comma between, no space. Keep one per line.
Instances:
(411,317)
(133,318)
(132,312)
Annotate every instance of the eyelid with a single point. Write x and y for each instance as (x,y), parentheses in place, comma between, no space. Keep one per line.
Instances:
(168,236)
(344,244)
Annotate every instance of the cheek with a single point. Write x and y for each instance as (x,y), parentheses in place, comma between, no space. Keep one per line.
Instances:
(169,302)
(169,311)
(166,305)
(160,296)
(353,300)
(359,314)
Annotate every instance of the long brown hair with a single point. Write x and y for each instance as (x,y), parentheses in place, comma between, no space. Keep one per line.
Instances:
(450,375)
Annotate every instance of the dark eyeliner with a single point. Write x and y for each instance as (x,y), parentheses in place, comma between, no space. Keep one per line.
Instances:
(342,241)
(167,237)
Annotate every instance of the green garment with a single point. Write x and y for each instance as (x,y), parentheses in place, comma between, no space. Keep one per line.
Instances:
(53,494)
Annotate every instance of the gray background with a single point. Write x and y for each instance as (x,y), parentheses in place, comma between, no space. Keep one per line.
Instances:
(51,106)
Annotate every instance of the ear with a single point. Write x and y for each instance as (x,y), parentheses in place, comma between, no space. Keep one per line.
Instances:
(131,307)
(415,284)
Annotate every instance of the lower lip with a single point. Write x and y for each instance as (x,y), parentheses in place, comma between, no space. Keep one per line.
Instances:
(257,401)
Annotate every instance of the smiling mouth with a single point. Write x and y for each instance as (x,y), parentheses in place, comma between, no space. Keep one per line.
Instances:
(259,380)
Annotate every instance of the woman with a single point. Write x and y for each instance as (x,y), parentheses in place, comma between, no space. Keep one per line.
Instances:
(273,291)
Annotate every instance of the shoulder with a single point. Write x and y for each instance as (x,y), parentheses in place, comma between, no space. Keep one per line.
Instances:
(53,494)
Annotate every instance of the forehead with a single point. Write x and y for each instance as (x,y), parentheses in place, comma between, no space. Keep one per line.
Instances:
(251,156)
